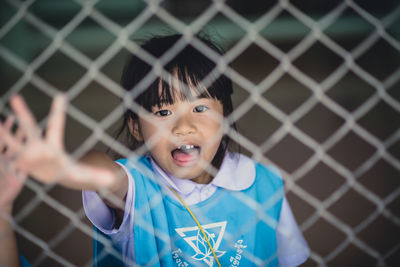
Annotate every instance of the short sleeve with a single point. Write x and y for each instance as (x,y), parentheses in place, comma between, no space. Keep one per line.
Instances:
(292,247)
(102,216)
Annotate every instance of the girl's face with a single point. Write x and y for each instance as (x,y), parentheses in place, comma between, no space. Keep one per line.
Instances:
(183,137)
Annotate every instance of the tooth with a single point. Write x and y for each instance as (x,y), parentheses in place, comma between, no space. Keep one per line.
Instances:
(187,147)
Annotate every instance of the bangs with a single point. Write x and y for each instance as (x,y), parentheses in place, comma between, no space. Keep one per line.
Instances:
(179,84)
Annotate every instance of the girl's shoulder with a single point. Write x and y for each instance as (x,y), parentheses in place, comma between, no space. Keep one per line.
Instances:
(270,170)
(268,174)
(245,163)
(243,170)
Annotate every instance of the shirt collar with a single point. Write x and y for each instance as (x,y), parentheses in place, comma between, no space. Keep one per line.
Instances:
(237,173)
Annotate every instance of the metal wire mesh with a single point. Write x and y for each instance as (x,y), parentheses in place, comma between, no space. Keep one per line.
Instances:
(353,124)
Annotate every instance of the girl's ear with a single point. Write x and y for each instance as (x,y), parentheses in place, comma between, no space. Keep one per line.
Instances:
(134,129)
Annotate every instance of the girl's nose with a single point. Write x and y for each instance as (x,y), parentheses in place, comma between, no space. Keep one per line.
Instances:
(184,125)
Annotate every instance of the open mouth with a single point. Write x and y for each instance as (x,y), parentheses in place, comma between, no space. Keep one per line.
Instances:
(186,154)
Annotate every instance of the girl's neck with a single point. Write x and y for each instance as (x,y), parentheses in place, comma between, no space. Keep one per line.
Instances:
(203,179)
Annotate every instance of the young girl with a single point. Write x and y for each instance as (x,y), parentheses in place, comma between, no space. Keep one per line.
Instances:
(187,201)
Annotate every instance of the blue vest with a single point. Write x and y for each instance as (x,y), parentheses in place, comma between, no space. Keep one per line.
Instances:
(240,225)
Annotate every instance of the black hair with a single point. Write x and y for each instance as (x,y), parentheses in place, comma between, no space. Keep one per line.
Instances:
(190,67)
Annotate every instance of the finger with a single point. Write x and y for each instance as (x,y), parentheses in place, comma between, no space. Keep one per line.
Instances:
(8,139)
(7,127)
(56,124)
(24,115)
(19,138)
(9,122)
(10,187)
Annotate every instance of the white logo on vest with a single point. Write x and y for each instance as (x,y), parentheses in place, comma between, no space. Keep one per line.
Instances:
(194,237)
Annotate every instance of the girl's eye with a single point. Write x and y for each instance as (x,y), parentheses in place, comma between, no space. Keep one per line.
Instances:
(163,113)
(200,108)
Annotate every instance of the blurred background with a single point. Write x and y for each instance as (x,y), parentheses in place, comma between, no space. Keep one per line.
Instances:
(325,74)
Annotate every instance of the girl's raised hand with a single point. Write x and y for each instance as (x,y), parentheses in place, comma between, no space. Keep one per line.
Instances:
(44,157)
(41,157)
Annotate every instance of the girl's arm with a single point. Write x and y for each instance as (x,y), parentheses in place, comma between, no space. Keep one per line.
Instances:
(8,243)
(102,160)
(44,158)
(11,184)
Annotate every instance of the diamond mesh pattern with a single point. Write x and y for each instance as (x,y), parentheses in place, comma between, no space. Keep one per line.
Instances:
(294,128)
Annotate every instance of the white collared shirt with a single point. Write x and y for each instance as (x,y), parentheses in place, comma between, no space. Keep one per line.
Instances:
(230,176)
(236,173)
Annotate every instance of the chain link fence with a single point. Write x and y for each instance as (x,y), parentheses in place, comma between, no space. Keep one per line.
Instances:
(317,95)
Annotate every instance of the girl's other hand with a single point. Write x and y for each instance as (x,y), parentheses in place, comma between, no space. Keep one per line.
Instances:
(30,152)
(11,180)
